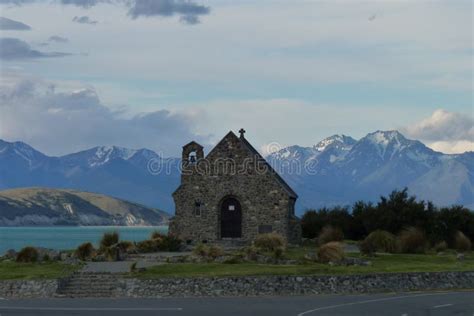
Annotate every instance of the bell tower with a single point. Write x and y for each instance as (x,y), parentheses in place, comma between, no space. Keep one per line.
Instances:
(192,154)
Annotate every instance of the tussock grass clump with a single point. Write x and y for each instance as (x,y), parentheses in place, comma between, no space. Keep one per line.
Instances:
(441,246)
(109,239)
(462,242)
(332,251)
(412,240)
(330,233)
(146,246)
(379,241)
(85,251)
(27,254)
(169,243)
(270,242)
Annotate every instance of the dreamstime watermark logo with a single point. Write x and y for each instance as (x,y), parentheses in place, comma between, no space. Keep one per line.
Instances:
(283,163)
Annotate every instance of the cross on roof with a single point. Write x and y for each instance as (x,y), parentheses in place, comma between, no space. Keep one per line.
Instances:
(242,132)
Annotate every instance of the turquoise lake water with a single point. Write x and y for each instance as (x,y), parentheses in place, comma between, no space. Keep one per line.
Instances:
(62,238)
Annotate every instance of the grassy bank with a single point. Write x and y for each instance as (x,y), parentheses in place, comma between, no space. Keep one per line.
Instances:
(380,264)
(33,271)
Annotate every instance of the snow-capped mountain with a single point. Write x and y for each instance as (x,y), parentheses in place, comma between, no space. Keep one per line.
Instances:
(342,170)
(111,170)
(336,170)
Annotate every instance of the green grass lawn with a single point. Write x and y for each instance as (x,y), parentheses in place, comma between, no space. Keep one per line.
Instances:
(381,263)
(31,271)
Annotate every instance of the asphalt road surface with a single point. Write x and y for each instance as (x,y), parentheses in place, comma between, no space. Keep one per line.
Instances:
(400,304)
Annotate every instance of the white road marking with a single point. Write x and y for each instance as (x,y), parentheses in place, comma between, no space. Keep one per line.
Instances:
(404,314)
(105,309)
(368,301)
(444,305)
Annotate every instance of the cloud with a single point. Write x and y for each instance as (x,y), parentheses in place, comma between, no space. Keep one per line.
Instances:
(84,20)
(58,39)
(445,131)
(82,3)
(16,2)
(188,10)
(189,19)
(68,121)
(12,25)
(16,49)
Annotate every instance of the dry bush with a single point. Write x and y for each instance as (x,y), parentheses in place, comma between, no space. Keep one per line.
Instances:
(440,246)
(27,254)
(201,250)
(412,240)
(330,233)
(157,235)
(270,242)
(461,242)
(85,251)
(332,251)
(109,239)
(379,241)
(168,243)
(215,251)
(146,246)
(126,246)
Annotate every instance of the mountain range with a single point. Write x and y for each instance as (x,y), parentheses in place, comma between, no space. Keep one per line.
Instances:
(338,170)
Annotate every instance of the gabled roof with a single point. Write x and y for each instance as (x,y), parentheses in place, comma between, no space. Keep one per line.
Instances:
(193,143)
(272,171)
(256,154)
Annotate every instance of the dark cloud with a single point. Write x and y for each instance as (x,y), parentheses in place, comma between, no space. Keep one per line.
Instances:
(82,3)
(189,19)
(58,39)
(83,20)
(62,122)
(188,10)
(8,24)
(16,49)
(16,2)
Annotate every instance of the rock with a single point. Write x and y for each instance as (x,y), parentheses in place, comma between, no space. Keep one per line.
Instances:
(460,256)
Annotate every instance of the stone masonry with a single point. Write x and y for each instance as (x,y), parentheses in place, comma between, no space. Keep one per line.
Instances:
(232,192)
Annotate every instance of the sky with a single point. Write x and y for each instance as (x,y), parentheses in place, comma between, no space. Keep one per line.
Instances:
(159,73)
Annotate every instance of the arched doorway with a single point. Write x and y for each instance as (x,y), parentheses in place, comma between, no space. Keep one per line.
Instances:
(231,218)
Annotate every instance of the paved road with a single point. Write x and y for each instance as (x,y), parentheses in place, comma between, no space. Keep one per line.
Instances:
(400,304)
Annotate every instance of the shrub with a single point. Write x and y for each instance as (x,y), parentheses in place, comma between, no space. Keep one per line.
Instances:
(367,248)
(332,251)
(330,233)
(215,251)
(126,246)
(168,243)
(412,240)
(157,235)
(201,250)
(461,242)
(441,246)
(379,241)
(109,239)
(27,254)
(146,246)
(133,267)
(85,251)
(269,242)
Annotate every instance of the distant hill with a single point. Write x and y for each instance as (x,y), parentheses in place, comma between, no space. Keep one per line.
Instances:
(47,207)
(338,170)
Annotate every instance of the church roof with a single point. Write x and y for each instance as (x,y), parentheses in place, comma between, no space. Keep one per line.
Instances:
(272,171)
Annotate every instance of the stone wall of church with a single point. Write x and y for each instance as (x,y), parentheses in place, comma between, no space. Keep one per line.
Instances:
(221,174)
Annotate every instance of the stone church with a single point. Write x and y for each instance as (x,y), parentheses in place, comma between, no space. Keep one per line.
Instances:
(231,194)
